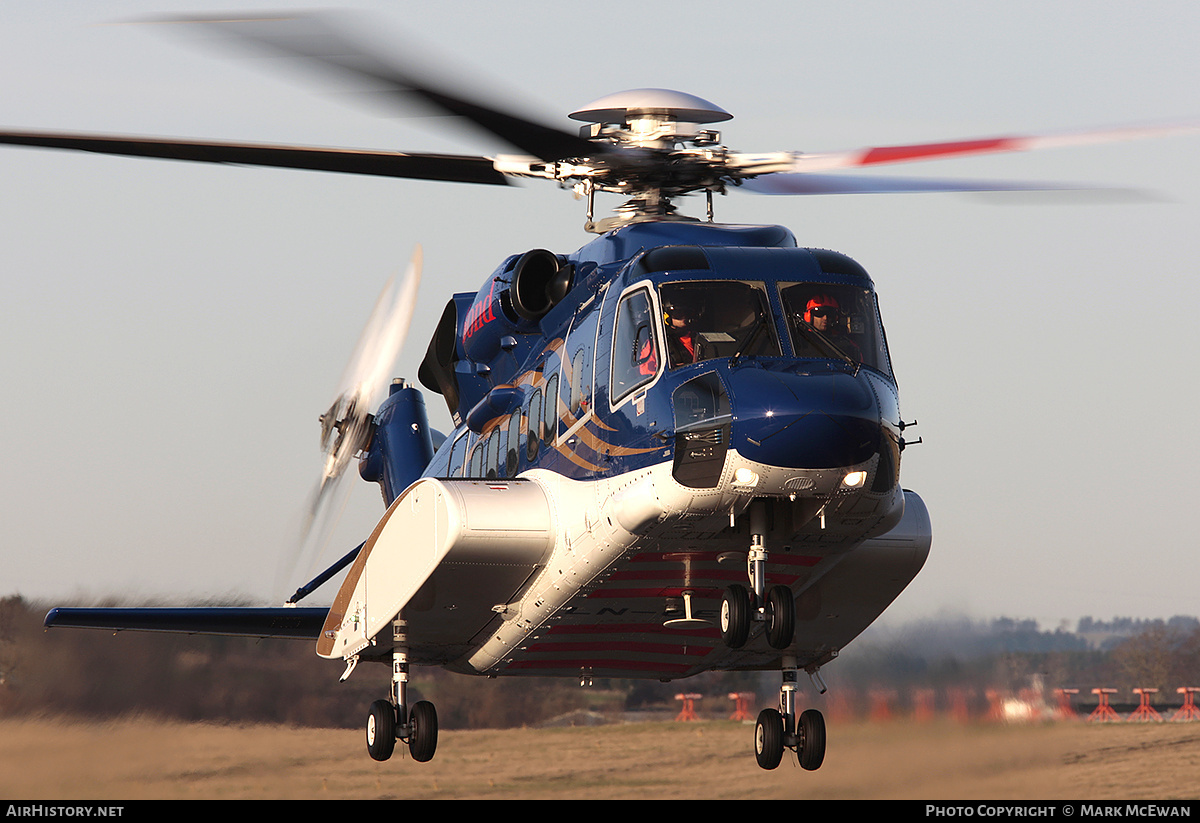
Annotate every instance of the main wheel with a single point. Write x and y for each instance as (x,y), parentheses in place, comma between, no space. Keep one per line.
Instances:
(735,617)
(768,738)
(781,617)
(423,732)
(810,747)
(381,730)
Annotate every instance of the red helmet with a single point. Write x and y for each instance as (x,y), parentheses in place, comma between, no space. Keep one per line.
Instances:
(820,301)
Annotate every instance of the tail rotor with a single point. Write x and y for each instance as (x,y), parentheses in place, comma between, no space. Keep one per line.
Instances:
(348,424)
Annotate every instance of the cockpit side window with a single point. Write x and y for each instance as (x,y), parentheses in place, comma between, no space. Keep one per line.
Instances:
(635,359)
(717,318)
(828,320)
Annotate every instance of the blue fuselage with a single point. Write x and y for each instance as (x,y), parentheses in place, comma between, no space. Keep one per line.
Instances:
(601,384)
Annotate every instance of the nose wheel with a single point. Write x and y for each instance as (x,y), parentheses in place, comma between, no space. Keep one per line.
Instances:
(735,616)
(780,617)
(775,608)
(777,613)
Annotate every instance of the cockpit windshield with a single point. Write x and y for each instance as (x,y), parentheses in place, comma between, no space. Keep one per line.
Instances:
(824,315)
(716,318)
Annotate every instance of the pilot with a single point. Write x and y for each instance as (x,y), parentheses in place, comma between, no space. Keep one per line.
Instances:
(825,315)
(679,317)
(647,356)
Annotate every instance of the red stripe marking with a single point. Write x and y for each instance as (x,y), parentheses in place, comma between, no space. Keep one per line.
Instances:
(677,591)
(779,558)
(615,665)
(675,557)
(619,646)
(676,574)
(663,591)
(898,154)
(625,629)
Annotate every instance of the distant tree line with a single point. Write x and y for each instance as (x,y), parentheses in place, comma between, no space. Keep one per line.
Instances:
(1007,654)
(95,675)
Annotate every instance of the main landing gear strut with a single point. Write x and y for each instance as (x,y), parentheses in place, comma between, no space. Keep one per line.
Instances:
(779,729)
(392,720)
(741,608)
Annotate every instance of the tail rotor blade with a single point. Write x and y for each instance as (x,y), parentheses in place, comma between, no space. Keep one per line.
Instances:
(347,425)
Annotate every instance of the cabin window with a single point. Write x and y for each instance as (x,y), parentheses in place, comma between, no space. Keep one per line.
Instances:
(550,417)
(581,381)
(492,461)
(717,318)
(512,449)
(833,321)
(475,469)
(635,358)
(458,456)
(533,425)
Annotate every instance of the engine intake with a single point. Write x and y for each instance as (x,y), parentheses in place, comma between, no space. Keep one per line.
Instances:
(539,282)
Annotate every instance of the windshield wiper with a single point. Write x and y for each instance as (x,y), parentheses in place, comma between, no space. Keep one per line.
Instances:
(820,341)
(760,325)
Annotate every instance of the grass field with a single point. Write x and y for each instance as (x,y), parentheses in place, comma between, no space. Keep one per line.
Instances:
(135,759)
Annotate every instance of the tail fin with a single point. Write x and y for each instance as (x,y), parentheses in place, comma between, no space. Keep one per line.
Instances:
(402,444)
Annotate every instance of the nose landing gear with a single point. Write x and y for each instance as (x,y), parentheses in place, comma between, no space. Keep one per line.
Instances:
(740,608)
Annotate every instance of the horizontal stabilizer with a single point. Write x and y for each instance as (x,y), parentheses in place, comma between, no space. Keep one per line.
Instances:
(300,624)
(452,554)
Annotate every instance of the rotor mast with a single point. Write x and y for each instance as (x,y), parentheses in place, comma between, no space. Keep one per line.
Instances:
(659,131)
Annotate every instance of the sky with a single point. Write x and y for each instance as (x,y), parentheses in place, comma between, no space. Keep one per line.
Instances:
(169,332)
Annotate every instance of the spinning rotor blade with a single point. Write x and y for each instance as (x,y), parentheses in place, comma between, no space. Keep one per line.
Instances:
(448,167)
(991,145)
(346,427)
(368,373)
(792,183)
(316,40)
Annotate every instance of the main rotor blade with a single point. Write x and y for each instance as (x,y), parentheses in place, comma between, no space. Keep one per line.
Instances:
(450,167)
(792,183)
(988,145)
(313,38)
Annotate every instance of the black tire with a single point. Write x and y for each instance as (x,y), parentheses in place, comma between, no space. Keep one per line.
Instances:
(810,745)
(768,738)
(423,732)
(381,730)
(735,617)
(781,617)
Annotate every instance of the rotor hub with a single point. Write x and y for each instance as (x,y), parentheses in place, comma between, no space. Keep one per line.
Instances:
(650,118)
(621,107)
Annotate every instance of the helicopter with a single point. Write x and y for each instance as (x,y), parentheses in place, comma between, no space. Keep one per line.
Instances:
(676,449)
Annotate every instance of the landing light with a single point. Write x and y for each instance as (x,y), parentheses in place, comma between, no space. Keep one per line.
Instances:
(854,479)
(744,477)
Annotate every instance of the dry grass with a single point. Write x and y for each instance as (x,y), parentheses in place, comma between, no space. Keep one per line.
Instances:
(133,759)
